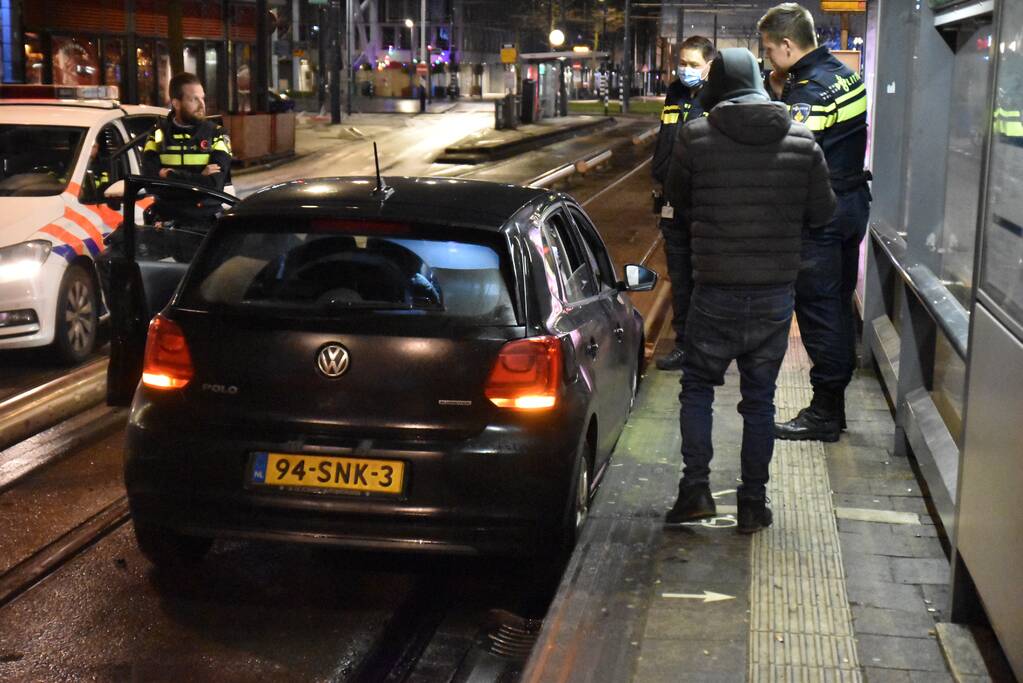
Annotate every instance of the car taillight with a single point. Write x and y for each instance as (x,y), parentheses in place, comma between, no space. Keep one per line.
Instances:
(526,375)
(168,364)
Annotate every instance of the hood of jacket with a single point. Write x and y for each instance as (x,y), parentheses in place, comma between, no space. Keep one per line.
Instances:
(738,104)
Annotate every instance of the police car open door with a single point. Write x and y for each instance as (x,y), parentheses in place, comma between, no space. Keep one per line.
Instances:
(141,270)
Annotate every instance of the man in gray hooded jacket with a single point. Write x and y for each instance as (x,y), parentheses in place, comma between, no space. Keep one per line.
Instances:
(749,181)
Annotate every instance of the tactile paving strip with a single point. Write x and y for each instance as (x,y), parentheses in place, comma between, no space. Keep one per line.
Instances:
(800,621)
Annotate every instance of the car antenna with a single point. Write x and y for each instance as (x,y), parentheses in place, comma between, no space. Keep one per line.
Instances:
(382,187)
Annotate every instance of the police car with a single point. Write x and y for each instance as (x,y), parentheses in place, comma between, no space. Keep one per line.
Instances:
(61,148)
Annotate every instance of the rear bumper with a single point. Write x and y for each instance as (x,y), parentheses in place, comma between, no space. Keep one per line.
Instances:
(501,491)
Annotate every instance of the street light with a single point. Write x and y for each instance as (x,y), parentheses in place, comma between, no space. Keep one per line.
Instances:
(557,38)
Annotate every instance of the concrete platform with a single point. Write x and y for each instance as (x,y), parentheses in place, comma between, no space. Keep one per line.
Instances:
(849,584)
(492,144)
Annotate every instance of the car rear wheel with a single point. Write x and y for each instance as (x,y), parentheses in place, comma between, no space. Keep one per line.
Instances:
(165,548)
(77,318)
(577,508)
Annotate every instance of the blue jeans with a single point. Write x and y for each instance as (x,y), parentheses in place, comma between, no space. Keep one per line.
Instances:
(824,291)
(680,272)
(750,326)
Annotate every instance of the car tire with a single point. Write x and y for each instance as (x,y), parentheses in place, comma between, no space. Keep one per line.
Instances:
(167,549)
(75,328)
(577,507)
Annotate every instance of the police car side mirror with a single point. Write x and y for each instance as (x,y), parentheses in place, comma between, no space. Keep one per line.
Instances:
(115,191)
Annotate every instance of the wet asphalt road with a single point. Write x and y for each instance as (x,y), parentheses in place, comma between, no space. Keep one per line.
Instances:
(260,611)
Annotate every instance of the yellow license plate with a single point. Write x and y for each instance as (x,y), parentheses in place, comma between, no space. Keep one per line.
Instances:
(314,471)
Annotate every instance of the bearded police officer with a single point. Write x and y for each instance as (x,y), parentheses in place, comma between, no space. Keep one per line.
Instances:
(188,148)
(830,100)
(681,105)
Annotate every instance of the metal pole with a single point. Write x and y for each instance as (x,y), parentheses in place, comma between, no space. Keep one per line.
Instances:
(422,44)
(627,60)
(260,96)
(334,31)
(349,51)
(296,62)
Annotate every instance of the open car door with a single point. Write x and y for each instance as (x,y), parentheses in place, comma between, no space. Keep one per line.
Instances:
(142,269)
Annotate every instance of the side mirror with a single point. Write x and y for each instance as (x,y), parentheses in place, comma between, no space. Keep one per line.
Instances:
(115,190)
(638,279)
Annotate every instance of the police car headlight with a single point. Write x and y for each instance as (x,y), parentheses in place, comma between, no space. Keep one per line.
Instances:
(23,260)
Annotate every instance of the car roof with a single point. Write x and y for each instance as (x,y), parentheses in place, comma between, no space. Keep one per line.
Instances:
(433,200)
(136,109)
(58,112)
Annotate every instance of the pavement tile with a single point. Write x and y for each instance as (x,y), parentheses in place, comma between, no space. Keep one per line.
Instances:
(898,596)
(920,570)
(692,660)
(855,526)
(867,567)
(938,596)
(895,546)
(873,675)
(892,652)
(892,622)
(861,500)
(935,677)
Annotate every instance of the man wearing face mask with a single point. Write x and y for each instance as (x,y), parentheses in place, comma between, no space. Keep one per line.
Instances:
(831,100)
(680,106)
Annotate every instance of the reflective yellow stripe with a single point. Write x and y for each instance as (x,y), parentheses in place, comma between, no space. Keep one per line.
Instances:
(184,159)
(669,118)
(848,96)
(818,123)
(220,145)
(852,109)
(670,108)
(153,143)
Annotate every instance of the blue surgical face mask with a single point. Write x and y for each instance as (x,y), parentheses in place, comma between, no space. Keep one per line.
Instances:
(691,76)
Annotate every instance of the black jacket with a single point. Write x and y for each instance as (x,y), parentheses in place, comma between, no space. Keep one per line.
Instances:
(188,150)
(681,104)
(831,100)
(748,180)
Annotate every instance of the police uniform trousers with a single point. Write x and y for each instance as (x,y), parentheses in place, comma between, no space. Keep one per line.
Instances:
(680,271)
(824,293)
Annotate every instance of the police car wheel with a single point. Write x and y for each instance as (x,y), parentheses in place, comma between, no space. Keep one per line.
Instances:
(167,549)
(77,318)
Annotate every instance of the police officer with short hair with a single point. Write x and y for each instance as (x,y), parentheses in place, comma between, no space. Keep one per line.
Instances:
(189,148)
(681,104)
(831,100)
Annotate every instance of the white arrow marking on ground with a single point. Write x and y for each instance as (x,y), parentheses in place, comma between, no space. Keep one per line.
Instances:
(722,493)
(706,596)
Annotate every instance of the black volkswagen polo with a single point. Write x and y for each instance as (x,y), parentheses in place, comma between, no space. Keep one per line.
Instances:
(426,364)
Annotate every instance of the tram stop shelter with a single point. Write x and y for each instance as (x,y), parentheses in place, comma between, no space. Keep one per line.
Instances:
(550,79)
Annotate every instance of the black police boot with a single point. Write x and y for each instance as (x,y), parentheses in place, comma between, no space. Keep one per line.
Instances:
(672,360)
(753,515)
(823,420)
(694,502)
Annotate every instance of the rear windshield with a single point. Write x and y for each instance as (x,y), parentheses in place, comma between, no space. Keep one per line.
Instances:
(331,273)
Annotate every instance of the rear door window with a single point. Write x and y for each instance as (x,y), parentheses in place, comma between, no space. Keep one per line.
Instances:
(565,256)
(386,269)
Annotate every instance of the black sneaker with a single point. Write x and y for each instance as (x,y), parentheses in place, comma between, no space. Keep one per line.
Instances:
(753,515)
(694,502)
(672,360)
(810,424)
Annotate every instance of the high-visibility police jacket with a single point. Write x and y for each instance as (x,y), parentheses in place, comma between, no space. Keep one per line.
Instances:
(188,150)
(681,104)
(831,100)
(1008,124)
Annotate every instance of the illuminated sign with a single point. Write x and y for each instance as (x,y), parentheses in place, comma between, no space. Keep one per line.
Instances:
(843,5)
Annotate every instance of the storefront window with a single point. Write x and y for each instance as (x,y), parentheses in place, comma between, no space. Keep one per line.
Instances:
(192,56)
(968,123)
(75,61)
(242,59)
(112,50)
(146,73)
(1002,268)
(33,58)
(163,74)
(212,80)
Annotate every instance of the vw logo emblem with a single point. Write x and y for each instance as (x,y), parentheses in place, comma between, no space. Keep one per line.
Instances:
(332,360)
